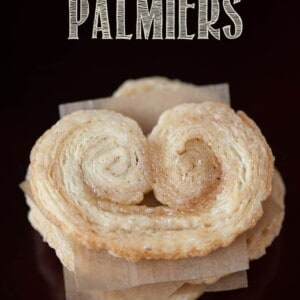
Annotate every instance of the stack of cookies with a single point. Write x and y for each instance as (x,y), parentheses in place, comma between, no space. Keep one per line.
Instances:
(160,192)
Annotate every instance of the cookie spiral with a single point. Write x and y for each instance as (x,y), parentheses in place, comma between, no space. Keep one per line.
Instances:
(206,154)
(94,155)
(89,172)
(207,157)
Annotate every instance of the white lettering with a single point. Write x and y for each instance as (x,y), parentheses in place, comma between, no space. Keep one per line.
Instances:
(205,25)
(236,19)
(101,15)
(74,23)
(121,25)
(145,19)
(170,20)
(183,32)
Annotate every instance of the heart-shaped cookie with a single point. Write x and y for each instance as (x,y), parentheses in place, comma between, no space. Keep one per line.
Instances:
(210,167)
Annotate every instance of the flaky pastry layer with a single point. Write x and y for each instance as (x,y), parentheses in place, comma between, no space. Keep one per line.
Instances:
(135,87)
(257,240)
(88,172)
(268,227)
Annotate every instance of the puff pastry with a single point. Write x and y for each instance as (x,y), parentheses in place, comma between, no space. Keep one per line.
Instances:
(133,87)
(88,172)
(207,156)
(268,227)
(52,235)
(91,154)
(258,238)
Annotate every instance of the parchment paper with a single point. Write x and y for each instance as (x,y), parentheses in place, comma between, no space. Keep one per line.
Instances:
(158,291)
(99,270)
(229,282)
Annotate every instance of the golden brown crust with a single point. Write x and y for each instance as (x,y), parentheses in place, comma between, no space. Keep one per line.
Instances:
(268,227)
(52,235)
(205,157)
(66,165)
(149,85)
(257,238)
(196,147)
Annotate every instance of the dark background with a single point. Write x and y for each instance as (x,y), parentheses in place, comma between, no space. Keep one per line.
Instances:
(42,68)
